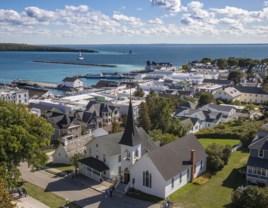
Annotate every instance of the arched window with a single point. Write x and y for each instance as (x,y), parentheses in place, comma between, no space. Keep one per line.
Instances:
(172,183)
(147,178)
(201,164)
(126,155)
(137,153)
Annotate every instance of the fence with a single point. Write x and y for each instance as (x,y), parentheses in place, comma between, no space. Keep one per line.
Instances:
(237,147)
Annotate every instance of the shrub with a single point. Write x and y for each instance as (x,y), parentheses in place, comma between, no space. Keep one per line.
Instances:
(202,179)
(112,187)
(246,137)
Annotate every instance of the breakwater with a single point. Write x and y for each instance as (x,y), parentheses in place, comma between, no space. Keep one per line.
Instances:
(59,62)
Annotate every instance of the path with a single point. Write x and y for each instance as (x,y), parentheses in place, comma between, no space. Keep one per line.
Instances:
(85,197)
(29,202)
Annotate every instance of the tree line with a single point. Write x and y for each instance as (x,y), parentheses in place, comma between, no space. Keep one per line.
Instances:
(25,47)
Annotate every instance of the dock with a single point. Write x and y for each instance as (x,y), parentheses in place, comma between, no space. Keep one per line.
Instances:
(36,83)
(85,64)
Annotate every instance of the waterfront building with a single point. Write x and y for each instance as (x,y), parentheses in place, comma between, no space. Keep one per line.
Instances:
(153,65)
(14,95)
(72,82)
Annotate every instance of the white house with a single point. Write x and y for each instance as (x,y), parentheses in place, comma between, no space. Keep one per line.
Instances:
(142,163)
(194,124)
(229,94)
(14,95)
(72,82)
(69,148)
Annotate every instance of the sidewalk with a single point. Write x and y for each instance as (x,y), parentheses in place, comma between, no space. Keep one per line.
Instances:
(28,202)
(86,182)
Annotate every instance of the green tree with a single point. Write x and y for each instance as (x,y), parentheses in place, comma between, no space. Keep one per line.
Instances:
(248,108)
(139,92)
(74,159)
(5,197)
(156,135)
(246,137)
(124,119)
(173,99)
(264,61)
(220,102)
(232,61)
(231,102)
(21,136)
(178,129)
(235,76)
(221,63)
(183,100)
(151,105)
(153,93)
(207,60)
(185,67)
(83,131)
(144,120)
(159,67)
(265,84)
(252,196)
(237,102)
(116,127)
(206,98)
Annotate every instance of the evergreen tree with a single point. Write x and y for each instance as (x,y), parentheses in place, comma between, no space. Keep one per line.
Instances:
(153,93)
(116,127)
(144,119)
(139,92)
(150,104)
(178,129)
(235,76)
(74,159)
(206,98)
(21,136)
(5,197)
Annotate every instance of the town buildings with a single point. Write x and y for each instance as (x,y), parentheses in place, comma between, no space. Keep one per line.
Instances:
(227,94)
(252,94)
(14,95)
(260,69)
(72,82)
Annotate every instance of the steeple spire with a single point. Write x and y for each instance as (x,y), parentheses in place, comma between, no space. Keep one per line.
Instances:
(131,136)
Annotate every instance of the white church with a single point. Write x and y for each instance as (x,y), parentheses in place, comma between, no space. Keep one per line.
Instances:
(144,164)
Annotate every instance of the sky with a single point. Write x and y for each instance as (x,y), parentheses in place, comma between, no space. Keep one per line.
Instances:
(134,21)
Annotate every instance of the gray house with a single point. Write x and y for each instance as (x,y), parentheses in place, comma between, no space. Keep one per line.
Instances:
(257,166)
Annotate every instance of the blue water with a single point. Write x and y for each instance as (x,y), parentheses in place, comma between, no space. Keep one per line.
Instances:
(20,64)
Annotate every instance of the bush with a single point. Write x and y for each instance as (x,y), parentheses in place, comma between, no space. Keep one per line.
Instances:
(202,179)
(246,137)
(112,187)
(252,196)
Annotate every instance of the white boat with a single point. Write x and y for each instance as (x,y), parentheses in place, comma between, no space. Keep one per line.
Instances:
(94,75)
(80,57)
(115,76)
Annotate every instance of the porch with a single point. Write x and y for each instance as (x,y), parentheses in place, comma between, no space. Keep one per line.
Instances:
(93,168)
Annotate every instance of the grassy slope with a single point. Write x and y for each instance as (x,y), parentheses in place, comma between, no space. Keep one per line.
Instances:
(50,199)
(205,142)
(61,167)
(49,150)
(217,191)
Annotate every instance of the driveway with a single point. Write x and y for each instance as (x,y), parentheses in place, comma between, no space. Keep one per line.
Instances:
(80,195)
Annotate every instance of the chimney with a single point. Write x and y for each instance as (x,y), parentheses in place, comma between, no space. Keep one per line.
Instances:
(223,87)
(193,161)
(75,115)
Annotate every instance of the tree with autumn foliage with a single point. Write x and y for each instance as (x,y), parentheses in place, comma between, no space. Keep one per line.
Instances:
(21,136)
(116,127)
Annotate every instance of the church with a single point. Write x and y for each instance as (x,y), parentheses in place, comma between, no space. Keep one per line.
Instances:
(142,163)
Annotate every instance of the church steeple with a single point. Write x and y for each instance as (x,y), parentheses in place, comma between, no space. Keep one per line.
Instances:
(131,136)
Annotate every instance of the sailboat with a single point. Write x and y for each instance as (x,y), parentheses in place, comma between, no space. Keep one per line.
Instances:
(80,57)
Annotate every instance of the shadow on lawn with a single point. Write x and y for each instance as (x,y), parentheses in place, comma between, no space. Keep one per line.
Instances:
(234,180)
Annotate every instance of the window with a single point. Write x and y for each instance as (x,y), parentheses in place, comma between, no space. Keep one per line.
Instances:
(256,95)
(172,183)
(147,178)
(97,145)
(59,154)
(201,165)
(261,95)
(25,95)
(76,128)
(19,101)
(106,114)
(104,172)
(250,100)
(255,100)
(126,155)
(137,153)
(104,158)
(263,172)
(119,170)
(70,130)
(25,100)
(66,156)
(19,96)
(144,178)
(89,151)
(188,173)
(250,94)
(250,169)
(194,168)
(97,154)
(119,158)
(208,124)
(260,153)
(76,135)
(180,178)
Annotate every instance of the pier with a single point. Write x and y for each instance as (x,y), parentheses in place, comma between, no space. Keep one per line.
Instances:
(36,83)
(59,62)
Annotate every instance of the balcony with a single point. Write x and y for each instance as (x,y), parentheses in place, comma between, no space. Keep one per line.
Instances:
(257,177)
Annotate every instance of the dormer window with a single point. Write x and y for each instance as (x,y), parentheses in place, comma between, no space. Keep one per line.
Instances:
(136,153)
(261,153)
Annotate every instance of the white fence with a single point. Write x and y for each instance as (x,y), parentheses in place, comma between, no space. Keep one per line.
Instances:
(237,147)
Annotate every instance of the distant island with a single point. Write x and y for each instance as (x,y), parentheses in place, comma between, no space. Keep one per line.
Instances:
(25,47)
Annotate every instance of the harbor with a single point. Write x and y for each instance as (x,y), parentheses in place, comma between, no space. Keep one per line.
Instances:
(72,63)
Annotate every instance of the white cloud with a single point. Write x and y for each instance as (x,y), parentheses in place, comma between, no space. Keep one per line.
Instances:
(195,5)
(156,21)
(57,23)
(265,3)
(80,8)
(139,9)
(130,21)
(169,5)
(123,7)
(40,14)
(168,15)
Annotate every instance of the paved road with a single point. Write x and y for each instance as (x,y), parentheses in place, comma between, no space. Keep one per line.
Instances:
(82,196)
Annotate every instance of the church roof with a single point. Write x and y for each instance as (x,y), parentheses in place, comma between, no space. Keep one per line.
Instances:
(131,136)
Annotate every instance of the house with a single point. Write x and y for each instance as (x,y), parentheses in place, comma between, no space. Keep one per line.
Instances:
(109,128)
(69,148)
(14,95)
(188,104)
(225,83)
(106,84)
(142,163)
(257,165)
(99,132)
(194,124)
(260,69)
(229,94)
(152,65)
(228,112)
(252,94)
(207,117)
(72,82)
(43,108)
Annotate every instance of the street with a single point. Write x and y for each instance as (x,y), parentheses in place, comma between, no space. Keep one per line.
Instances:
(80,195)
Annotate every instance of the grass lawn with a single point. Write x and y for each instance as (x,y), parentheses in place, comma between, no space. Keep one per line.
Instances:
(217,191)
(206,142)
(46,197)
(49,150)
(61,167)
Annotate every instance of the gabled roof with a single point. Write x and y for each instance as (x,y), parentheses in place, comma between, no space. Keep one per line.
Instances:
(257,162)
(254,90)
(189,120)
(110,142)
(95,164)
(43,108)
(104,83)
(218,81)
(69,79)
(213,106)
(188,104)
(108,128)
(175,157)
(77,145)
(131,136)
(260,141)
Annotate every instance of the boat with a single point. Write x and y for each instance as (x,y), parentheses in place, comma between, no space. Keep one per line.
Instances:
(80,57)
(130,51)
(115,76)
(94,75)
